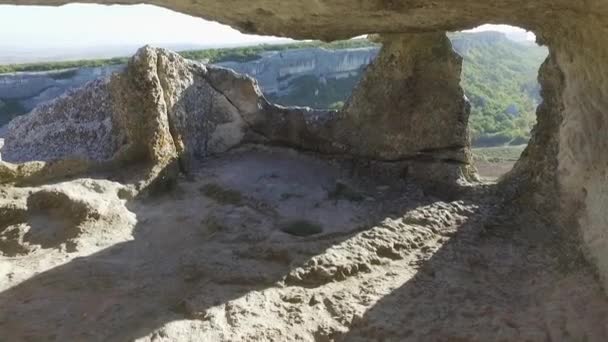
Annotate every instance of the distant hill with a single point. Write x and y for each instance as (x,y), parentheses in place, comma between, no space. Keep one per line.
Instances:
(236,54)
(500,80)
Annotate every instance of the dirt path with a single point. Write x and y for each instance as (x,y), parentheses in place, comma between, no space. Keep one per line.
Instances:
(270,245)
(492,171)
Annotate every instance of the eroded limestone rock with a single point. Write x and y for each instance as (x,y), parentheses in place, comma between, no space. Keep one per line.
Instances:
(410,106)
(67,216)
(537,166)
(331,20)
(575,32)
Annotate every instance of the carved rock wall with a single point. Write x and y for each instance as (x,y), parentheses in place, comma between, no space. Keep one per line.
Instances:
(567,160)
(563,172)
(582,173)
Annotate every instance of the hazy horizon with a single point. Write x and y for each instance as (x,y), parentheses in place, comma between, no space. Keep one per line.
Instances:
(80,31)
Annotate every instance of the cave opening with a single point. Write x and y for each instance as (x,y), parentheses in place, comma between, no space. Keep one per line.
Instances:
(237,244)
(500,80)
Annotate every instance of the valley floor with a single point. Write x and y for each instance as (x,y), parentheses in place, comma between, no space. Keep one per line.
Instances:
(272,245)
(494,162)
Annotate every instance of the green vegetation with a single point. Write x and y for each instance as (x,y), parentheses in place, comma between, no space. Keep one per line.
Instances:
(251,53)
(239,54)
(60,65)
(221,195)
(500,79)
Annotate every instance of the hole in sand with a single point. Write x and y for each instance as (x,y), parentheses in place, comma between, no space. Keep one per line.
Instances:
(53,219)
(302,228)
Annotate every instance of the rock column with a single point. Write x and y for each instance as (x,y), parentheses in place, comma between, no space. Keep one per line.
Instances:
(410,107)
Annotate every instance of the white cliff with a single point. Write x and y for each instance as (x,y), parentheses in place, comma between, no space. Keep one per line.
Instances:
(276,69)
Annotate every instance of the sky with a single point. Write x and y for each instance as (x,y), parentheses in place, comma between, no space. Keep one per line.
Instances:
(505,29)
(89,25)
(26,32)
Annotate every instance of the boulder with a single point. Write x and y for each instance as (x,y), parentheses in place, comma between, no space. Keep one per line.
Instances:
(76,125)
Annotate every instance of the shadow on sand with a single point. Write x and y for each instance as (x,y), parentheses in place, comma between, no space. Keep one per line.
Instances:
(169,271)
(494,280)
(490,281)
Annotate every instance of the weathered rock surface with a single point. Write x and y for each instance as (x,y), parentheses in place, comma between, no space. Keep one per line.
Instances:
(210,260)
(65,216)
(566,160)
(574,31)
(344,19)
(77,125)
(159,109)
(410,106)
(31,89)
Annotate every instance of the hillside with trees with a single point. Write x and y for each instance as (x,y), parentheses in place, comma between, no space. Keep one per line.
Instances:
(500,80)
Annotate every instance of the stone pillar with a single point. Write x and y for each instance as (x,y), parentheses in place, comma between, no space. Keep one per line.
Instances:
(409,107)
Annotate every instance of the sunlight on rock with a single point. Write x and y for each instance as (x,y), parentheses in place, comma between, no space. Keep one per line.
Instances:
(166,197)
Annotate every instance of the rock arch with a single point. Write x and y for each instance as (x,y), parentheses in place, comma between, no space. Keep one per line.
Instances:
(564,170)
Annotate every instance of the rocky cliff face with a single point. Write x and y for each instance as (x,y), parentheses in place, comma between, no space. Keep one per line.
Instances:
(276,70)
(503,278)
(44,85)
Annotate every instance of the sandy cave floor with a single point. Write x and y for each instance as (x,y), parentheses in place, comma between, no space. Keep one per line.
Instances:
(271,245)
